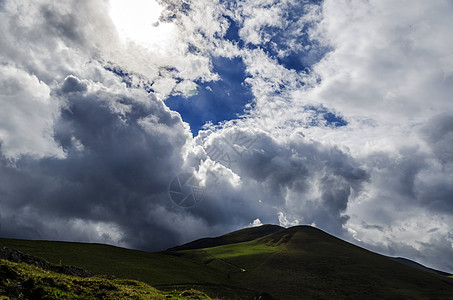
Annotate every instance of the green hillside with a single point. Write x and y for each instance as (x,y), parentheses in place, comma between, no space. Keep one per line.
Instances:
(24,281)
(306,263)
(152,268)
(301,262)
(164,270)
(317,265)
(243,235)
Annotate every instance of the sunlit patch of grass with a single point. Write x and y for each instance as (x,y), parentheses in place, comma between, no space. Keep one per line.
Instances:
(241,249)
(245,255)
(23,281)
(236,260)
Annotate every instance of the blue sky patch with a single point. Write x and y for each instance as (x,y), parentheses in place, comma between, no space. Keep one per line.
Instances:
(232,33)
(215,101)
(323,115)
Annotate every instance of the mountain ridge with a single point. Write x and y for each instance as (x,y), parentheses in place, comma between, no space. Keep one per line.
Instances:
(420,266)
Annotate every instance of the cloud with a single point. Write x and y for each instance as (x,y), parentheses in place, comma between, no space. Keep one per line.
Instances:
(126,152)
(438,133)
(346,130)
(27,116)
(94,147)
(267,176)
(397,126)
(72,84)
(365,74)
(256,223)
(283,221)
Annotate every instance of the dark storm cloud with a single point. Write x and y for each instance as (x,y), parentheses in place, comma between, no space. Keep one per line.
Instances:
(438,247)
(118,166)
(439,134)
(433,190)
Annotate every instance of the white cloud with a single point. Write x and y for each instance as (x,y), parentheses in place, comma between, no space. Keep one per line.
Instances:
(283,220)
(399,74)
(256,223)
(138,22)
(27,116)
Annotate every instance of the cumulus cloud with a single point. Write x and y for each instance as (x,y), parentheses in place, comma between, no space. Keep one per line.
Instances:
(256,223)
(27,116)
(256,173)
(126,152)
(382,71)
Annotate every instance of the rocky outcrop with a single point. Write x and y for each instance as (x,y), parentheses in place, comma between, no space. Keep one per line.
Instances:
(20,257)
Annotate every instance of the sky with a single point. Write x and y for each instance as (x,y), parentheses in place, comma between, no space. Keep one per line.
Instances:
(150,123)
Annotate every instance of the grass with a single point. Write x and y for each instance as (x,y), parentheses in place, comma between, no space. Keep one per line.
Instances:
(319,266)
(234,260)
(246,249)
(306,263)
(296,263)
(152,268)
(244,256)
(239,236)
(22,281)
(165,271)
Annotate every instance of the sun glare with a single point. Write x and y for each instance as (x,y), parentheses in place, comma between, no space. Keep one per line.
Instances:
(138,21)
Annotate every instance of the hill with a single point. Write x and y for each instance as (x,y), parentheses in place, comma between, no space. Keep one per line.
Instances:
(303,262)
(243,235)
(314,264)
(419,266)
(300,262)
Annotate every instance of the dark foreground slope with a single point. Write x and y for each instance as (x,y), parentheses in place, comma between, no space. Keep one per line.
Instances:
(301,262)
(161,270)
(23,276)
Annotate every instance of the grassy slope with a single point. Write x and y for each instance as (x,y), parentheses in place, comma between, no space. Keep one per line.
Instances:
(244,257)
(239,236)
(234,260)
(297,263)
(313,265)
(23,281)
(419,266)
(305,263)
(165,271)
(152,268)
